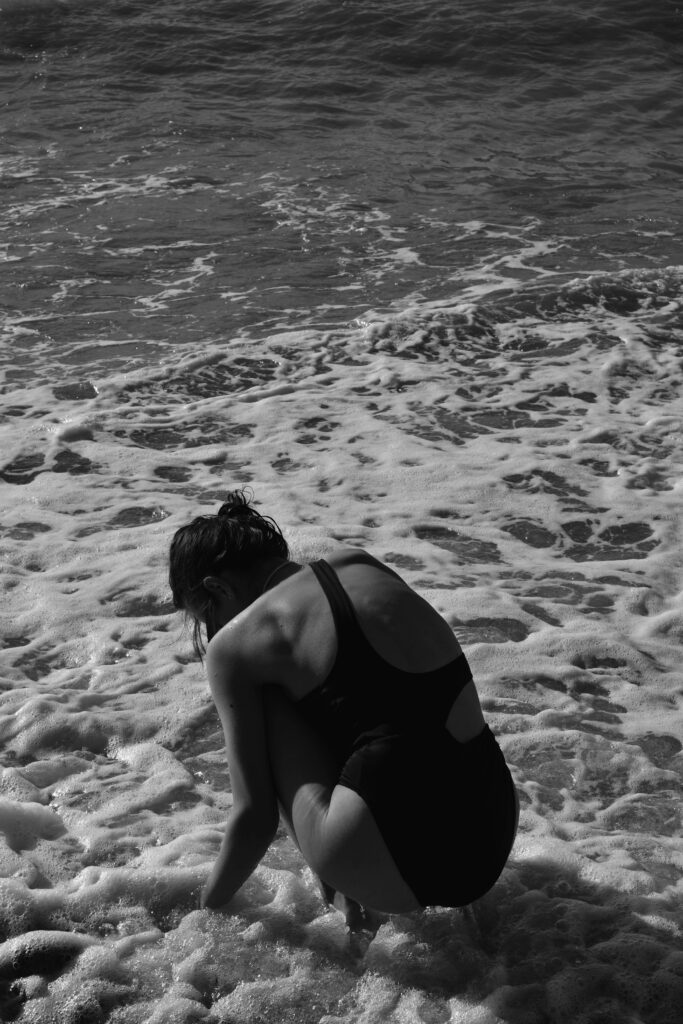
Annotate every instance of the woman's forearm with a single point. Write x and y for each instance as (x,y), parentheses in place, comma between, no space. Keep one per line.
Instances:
(247,837)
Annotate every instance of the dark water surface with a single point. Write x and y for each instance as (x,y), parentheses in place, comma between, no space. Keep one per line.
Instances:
(412,271)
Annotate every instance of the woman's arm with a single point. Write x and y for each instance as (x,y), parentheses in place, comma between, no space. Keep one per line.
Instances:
(244,844)
(254,816)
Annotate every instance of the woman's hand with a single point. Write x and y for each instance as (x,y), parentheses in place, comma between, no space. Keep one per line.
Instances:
(211,897)
(248,835)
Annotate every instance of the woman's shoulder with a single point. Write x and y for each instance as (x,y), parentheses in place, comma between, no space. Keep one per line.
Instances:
(342,557)
(257,643)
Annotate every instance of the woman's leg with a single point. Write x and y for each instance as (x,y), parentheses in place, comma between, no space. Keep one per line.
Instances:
(333,826)
(326,891)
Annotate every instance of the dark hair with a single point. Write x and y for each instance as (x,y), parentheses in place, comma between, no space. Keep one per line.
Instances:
(237,536)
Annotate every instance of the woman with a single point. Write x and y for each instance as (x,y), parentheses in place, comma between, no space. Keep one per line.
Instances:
(347,702)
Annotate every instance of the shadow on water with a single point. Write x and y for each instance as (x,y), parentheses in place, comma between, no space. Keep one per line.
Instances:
(545,946)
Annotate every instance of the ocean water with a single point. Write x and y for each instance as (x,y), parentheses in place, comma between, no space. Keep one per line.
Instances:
(413,272)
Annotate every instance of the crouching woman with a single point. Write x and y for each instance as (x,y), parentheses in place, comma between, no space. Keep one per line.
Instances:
(349,708)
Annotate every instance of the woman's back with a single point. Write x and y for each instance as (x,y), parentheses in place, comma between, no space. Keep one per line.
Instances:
(410,742)
(361,638)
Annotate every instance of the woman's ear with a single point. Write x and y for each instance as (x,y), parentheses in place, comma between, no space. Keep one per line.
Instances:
(214,585)
(219,587)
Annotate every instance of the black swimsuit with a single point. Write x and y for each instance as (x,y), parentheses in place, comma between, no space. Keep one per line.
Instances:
(446,810)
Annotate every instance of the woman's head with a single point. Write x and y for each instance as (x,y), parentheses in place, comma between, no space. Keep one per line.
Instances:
(237,537)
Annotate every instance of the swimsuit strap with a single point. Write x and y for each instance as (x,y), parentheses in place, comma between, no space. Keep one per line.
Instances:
(352,645)
(343,613)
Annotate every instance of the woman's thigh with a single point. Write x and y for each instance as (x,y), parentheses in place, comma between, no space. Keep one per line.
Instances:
(359,862)
(333,826)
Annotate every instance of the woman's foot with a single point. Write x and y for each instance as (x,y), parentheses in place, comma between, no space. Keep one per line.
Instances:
(358,918)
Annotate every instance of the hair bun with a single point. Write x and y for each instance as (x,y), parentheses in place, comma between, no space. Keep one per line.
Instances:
(237,504)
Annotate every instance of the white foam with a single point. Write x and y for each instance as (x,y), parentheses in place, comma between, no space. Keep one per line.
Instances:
(513,449)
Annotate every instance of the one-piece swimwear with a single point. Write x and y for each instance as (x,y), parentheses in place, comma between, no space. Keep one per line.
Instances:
(446,810)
